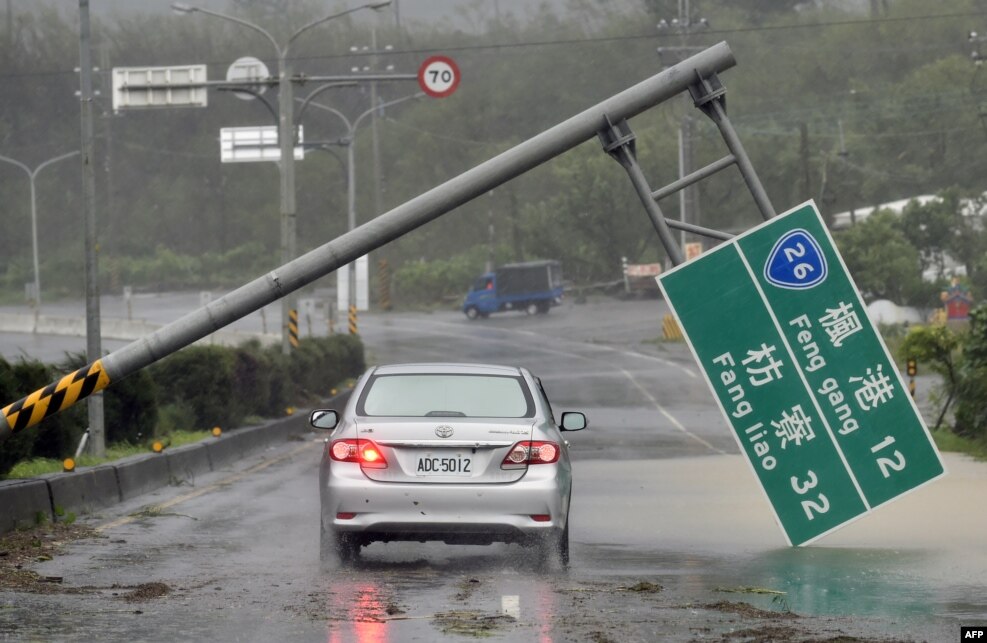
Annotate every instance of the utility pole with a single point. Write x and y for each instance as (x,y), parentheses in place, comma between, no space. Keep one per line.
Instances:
(375,107)
(684,25)
(286,135)
(97,435)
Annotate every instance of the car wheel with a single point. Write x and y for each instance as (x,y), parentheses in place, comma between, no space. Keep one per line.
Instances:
(326,543)
(554,548)
(564,546)
(347,548)
(472,312)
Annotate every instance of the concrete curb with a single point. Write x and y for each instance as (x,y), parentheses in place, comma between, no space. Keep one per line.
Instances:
(83,491)
(143,473)
(24,502)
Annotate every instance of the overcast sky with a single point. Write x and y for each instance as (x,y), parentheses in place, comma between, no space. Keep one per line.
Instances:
(412,11)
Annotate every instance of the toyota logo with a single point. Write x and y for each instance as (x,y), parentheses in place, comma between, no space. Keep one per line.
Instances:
(443,431)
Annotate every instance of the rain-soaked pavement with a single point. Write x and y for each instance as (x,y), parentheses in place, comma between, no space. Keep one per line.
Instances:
(672,538)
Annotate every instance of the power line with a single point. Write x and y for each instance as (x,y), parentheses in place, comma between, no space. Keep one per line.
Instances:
(609,39)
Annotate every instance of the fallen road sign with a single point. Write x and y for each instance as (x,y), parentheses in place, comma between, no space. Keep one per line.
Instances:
(814,398)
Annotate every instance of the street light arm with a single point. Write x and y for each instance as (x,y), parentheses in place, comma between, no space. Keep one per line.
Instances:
(349,127)
(359,118)
(256,94)
(18,164)
(54,160)
(308,99)
(182,8)
(315,23)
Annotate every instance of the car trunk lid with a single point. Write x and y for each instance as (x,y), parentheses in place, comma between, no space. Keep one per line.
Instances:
(445,450)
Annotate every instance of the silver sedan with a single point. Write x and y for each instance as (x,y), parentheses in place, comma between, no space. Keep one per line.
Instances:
(459,453)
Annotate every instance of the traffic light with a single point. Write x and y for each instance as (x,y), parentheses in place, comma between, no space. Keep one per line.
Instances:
(912,368)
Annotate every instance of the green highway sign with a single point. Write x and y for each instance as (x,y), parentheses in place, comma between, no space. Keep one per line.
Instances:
(801,374)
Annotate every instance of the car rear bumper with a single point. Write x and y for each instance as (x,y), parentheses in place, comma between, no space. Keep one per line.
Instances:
(451,512)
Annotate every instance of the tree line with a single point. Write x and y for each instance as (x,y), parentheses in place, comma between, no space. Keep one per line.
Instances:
(850,105)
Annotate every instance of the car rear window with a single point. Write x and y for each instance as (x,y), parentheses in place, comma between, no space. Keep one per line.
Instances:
(446,395)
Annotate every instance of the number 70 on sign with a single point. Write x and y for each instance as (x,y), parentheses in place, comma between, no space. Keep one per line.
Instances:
(438,76)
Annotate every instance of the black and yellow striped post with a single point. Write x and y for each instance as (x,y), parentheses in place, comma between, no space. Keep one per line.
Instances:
(56,397)
(293,328)
(353,321)
(670,329)
(384,284)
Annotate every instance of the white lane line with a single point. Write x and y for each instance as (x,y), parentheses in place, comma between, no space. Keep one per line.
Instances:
(511,606)
(675,423)
(678,425)
(661,360)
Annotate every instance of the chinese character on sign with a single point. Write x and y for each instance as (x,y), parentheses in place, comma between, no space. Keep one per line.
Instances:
(764,372)
(794,427)
(875,389)
(840,323)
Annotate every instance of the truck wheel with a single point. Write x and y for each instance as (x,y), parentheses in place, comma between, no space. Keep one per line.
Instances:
(531,308)
(543,307)
(472,312)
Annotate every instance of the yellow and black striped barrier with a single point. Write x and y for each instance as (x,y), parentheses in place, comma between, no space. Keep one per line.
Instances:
(384,284)
(353,321)
(670,329)
(293,328)
(56,397)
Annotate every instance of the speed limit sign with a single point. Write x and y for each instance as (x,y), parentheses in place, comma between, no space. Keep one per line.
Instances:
(438,76)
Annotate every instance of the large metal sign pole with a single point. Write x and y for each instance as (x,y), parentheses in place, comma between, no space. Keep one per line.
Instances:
(371,235)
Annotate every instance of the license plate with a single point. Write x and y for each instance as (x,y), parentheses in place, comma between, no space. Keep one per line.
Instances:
(442,464)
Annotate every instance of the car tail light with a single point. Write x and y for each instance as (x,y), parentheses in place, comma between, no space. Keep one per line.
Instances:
(531,452)
(364,452)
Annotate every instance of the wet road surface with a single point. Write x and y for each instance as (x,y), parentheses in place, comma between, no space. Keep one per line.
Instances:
(672,538)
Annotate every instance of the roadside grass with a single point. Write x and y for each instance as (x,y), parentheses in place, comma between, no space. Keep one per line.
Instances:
(40,466)
(947,441)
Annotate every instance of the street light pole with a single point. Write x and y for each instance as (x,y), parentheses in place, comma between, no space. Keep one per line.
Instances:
(32,175)
(349,139)
(286,136)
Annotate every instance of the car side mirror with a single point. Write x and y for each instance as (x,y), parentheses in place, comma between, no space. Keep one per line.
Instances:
(573,421)
(324,419)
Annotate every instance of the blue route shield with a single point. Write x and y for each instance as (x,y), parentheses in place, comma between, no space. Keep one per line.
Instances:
(796,262)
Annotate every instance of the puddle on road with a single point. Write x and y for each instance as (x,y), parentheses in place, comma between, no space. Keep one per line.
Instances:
(815,581)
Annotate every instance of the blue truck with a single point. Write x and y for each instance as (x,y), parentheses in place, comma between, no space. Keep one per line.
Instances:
(533,287)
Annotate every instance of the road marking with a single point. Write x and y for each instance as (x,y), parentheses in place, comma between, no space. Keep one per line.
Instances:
(678,425)
(204,490)
(511,606)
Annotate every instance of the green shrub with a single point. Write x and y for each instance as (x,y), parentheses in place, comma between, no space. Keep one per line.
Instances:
(252,375)
(20,445)
(196,388)
(936,346)
(202,377)
(431,282)
(971,395)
